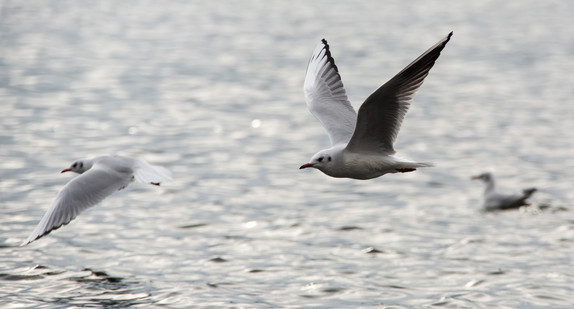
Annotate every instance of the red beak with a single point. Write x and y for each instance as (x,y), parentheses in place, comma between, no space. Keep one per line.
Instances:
(475,177)
(65,170)
(306,165)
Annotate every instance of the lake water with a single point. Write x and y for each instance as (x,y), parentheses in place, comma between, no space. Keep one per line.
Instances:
(213,91)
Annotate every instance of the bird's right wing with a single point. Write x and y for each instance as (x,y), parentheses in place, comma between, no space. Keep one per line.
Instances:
(326,96)
(78,194)
(147,173)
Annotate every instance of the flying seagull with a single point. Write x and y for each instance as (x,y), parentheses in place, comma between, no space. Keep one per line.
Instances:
(99,177)
(362,146)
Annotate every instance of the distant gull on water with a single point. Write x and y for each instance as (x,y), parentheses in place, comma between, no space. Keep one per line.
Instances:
(493,200)
(100,177)
(362,146)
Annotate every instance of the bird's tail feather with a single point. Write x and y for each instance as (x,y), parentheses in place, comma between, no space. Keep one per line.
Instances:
(410,164)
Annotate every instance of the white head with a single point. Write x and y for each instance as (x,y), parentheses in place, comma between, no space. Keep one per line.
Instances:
(323,161)
(79,166)
(485,177)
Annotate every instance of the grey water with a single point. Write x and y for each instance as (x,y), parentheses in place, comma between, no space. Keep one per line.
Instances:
(213,91)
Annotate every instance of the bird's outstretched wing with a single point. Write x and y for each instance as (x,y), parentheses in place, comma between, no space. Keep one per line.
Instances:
(147,173)
(78,194)
(326,97)
(382,113)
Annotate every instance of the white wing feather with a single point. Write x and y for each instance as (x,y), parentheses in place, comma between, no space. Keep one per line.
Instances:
(326,97)
(147,173)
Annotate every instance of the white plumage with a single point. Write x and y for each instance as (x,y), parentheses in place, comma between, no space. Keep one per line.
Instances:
(362,145)
(100,177)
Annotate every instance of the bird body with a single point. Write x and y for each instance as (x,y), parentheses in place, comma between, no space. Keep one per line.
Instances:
(362,143)
(99,177)
(349,164)
(494,200)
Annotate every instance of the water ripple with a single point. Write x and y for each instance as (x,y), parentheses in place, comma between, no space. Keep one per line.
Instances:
(212,90)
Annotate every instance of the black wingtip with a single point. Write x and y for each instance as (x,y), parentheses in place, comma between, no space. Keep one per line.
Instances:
(529,191)
(329,56)
(445,40)
(448,37)
(26,242)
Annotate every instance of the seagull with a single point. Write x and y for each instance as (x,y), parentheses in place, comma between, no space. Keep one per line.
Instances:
(362,146)
(99,177)
(494,200)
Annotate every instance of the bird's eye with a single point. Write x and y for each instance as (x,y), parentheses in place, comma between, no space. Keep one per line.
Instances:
(74,165)
(329,159)
(320,159)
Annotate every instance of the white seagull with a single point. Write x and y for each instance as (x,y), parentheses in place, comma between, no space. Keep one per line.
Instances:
(362,146)
(493,200)
(100,177)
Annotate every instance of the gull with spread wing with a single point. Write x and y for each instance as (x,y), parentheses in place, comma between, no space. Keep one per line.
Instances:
(362,146)
(100,177)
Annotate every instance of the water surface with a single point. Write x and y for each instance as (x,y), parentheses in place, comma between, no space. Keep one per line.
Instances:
(213,91)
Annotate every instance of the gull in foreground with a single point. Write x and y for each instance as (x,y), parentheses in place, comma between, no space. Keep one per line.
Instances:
(100,177)
(362,146)
(494,200)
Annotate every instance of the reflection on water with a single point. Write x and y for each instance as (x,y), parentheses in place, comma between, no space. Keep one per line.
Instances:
(212,91)
(85,288)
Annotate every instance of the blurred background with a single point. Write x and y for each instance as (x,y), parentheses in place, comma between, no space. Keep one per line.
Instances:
(213,91)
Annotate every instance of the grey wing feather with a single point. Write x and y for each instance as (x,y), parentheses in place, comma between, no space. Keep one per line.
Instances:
(80,193)
(498,201)
(381,115)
